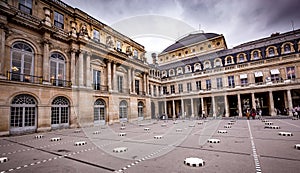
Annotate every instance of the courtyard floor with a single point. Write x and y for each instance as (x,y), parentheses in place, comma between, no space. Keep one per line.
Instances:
(246,147)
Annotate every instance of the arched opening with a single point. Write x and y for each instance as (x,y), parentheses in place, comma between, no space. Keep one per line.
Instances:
(123,110)
(99,112)
(140,110)
(57,69)
(23,114)
(60,112)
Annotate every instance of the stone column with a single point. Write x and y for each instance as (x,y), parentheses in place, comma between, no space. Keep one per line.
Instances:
(174,114)
(109,76)
(192,108)
(80,70)
(73,71)
(114,79)
(2,53)
(182,109)
(165,104)
(133,81)
(214,106)
(226,106)
(202,106)
(253,100)
(88,70)
(129,79)
(46,66)
(271,108)
(290,102)
(239,105)
(145,83)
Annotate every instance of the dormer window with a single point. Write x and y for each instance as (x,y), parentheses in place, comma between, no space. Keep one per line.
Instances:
(287,48)
(255,55)
(188,69)
(197,67)
(241,58)
(171,72)
(271,52)
(207,65)
(229,60)
(163,74)
(179,70)
(217,63)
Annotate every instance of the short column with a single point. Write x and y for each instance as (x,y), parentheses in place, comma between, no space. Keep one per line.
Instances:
(239,105)
(271,101)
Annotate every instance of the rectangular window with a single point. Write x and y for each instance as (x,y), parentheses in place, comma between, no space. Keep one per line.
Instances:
(198,85)
(219,83)
(172,89)
(58,20)
(208,84)
(189,87)
(137,86)
(290,72)
(119,46)
(165,90)
(231,82)
(244,82)
(96,35)
(154,90)
(25,6)
(159,90)
(180,88)
(96,79)
(120,84)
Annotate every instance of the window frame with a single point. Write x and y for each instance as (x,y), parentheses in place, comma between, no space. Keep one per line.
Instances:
(58,22)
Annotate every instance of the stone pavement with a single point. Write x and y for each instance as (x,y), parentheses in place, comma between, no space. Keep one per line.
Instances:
(158,147)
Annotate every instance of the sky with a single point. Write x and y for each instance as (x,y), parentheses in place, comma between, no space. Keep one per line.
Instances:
(156,24)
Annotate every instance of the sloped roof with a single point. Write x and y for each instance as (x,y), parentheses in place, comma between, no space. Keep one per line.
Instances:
(190,39)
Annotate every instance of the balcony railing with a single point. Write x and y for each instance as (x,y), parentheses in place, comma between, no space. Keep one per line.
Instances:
(19,77)
(61,83)
(101,88)
(15,76)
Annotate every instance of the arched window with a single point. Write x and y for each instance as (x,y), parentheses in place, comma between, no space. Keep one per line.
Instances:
(207,65)
(22,62)
(60,112)
(241,58)
(255,55)
(271,52)
(23,113)
(57,69)
(188,69)
(171,72)
(287,48)
(123,110)
(179,70)
(229,60)
(164,74)
(140,110)
(99,112)
(197,67)
(217,63)
(158,73)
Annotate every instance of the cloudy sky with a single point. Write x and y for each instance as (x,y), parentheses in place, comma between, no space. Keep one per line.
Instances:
(158,23)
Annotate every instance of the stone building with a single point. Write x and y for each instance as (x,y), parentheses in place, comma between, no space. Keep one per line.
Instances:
(60,68)
(199,74)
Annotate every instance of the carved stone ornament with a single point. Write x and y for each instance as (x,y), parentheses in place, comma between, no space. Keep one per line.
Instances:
(109,42)
(128,51)
(83,31)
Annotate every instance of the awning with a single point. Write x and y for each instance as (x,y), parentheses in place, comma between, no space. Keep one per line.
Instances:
(275,71)
(258,74)
(243,76)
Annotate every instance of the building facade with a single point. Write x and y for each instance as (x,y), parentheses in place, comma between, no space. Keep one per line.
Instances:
(60,68)
(198,75)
